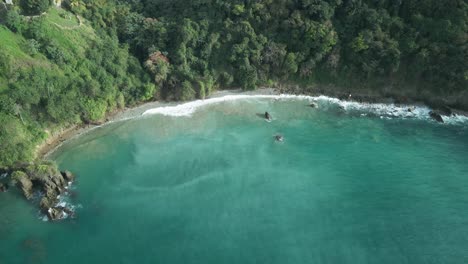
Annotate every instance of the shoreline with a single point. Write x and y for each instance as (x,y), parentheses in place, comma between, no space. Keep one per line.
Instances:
(48,147)
(60,137)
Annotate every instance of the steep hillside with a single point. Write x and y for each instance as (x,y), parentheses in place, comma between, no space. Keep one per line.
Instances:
(56,70)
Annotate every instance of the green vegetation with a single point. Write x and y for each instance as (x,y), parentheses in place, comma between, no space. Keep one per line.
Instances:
(417,46)
(58,69)
(34,7)
(55,72)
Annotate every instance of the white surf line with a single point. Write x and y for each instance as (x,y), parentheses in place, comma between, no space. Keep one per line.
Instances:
(379,109)
(189,108)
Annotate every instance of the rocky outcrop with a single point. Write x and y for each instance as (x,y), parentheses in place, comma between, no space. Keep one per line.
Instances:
(24,183)
(3,187)
(55,213)
(45,179)
(59,212)
(67,175)
(436,116)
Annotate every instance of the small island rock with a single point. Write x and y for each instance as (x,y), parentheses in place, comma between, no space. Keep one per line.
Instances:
(55,213)
(3,187)
(436,116)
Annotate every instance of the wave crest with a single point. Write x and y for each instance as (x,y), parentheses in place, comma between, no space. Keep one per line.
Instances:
(378,109)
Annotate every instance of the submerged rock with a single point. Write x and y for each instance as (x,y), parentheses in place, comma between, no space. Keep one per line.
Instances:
(3,187)
(436,116)
(35,249)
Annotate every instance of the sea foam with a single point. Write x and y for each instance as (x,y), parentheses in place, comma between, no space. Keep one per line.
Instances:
(362,109)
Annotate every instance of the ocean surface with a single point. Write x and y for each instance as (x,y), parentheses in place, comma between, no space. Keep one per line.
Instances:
(207,183)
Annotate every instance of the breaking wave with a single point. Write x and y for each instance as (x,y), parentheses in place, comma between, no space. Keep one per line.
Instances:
(362,109)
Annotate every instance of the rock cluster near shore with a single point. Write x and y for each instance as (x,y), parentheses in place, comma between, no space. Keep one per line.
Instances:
(439,106)
(46,180)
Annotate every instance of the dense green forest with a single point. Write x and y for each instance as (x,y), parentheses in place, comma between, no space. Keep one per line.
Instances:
(75,64)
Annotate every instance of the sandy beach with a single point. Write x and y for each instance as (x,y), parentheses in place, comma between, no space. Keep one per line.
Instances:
(56,139)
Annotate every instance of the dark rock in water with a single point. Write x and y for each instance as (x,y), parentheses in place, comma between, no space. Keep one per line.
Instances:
(59,212)
(56,213)
(3,187)
(436,116)
(411,109)
(68,176)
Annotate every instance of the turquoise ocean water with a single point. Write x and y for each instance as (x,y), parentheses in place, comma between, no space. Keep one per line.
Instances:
(345,186)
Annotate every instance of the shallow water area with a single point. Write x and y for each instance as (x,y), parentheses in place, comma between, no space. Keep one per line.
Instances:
(350,183)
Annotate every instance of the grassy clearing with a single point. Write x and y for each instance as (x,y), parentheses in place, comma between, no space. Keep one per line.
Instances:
(12,43)
(68,33)
(62,18)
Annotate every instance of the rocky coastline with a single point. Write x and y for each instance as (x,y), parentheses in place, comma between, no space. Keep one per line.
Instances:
(43,182)
(440,106)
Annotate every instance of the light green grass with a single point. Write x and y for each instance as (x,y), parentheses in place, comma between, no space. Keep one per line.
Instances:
(12,43)
(62,18)
(68,35)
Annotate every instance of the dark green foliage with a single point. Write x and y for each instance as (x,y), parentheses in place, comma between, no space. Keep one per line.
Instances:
(34,7)
(187,91)
(184,49)
(14,21)
(17,140)
(250,43)
(64,82)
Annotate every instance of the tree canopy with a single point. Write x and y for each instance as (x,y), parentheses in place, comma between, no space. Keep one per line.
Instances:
(56,71)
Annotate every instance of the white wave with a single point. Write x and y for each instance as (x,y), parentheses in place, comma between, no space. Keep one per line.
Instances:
(189,108)
(362,109)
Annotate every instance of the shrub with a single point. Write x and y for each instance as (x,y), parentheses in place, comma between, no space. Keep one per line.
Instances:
(33,46)
(17,175)
(93,110)
(187,91)
(34,7)
(14,21)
